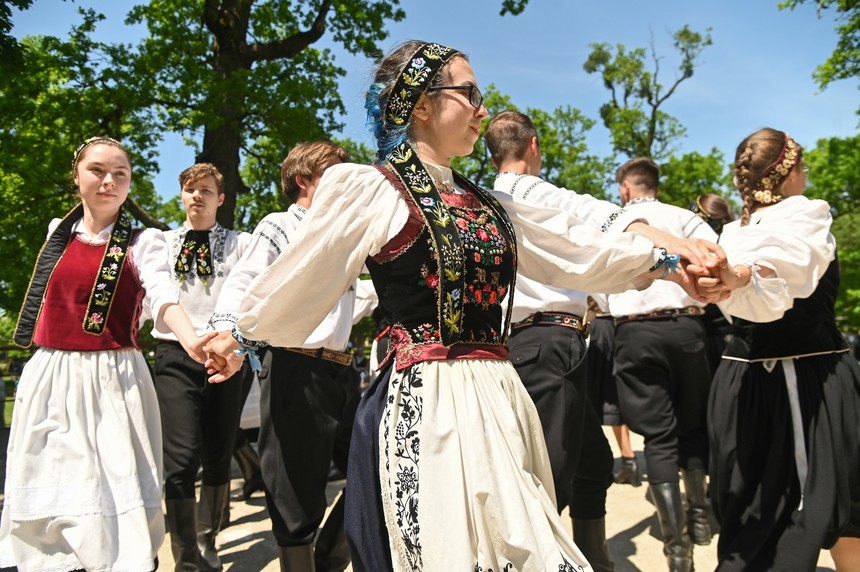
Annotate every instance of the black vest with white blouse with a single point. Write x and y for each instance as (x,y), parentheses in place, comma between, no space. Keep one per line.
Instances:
(406,272)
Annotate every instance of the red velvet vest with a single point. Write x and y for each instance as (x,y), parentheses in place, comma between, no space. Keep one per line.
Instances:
(60,322)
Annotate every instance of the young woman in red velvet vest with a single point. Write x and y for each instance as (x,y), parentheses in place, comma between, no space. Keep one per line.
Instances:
(84,470)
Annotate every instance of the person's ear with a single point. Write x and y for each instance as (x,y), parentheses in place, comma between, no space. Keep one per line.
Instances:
(422,110)
(221,197)
(301,182)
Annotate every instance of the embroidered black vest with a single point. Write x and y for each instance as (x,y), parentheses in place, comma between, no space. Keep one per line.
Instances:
(407,280)
(808,327)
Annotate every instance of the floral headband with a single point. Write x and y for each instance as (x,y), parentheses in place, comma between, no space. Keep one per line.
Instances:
(765,191)
(92,141)
(414,80)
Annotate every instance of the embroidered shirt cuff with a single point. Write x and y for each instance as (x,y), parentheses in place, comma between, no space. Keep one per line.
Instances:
(221,321)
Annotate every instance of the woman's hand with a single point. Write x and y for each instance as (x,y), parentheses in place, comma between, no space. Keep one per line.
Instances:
(222,344)
(690,278)
(194,347)
(728,278)
(223,368)
(222,360)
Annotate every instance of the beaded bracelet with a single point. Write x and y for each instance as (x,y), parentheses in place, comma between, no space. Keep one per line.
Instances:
(660,261)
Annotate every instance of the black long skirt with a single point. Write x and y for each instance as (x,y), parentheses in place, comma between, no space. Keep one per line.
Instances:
(755,491)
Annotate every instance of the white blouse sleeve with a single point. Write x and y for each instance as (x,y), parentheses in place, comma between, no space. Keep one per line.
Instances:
(791,238)
(258,251)
(599,214)
(355,211)
(366,300)
(557,250)
(150,256)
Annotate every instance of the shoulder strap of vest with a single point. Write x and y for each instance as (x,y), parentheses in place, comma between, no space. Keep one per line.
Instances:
(445,240)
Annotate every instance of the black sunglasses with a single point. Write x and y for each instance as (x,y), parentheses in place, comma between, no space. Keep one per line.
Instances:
(476,99)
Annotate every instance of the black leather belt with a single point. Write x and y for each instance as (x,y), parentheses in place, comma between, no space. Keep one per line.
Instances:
(661,315)
(563,319)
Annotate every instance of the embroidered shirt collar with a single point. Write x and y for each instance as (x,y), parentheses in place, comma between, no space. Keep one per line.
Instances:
(444,178)
(99,238)
(186,227)
(641,200)
(297,211)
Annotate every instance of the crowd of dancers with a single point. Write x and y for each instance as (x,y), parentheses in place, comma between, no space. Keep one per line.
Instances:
(483,421)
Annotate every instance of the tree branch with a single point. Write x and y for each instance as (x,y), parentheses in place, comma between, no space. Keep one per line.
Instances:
(140,214)
(289,47)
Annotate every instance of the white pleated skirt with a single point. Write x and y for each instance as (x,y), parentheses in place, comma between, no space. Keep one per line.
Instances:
(84,465)
(465,477)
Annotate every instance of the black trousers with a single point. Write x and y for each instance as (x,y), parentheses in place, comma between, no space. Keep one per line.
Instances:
(198,420)
(663,378)
(307,407)
(551,362)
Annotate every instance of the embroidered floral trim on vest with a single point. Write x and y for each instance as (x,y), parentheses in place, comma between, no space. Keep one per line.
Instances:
(107,278)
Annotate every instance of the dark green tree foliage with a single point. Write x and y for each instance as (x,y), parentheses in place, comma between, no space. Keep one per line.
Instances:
(10,51)
(245,74)
(834,175)
(685,177)
(637,124)
(240,75)
(844,62)
(59,96)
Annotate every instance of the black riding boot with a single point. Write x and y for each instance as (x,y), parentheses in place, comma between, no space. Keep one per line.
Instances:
(590,537)
(209,514)
(673,523)
(181,522)
(698,507)
(628,473)
(296,558)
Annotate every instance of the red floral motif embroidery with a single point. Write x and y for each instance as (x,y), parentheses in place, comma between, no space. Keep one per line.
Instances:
(485,292)
(430,279)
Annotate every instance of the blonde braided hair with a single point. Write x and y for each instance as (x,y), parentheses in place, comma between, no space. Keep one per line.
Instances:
(761,165)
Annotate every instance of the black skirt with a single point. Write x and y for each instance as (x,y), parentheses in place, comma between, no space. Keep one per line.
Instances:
(755,489)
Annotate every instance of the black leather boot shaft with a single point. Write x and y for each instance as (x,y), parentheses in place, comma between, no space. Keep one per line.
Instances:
(698,507)
(673,523)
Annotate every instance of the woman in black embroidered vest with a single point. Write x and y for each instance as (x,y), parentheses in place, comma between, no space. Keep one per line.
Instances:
(784,408)
(83,468)
(448,468)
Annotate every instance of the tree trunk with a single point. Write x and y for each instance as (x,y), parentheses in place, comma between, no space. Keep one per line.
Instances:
(221,146)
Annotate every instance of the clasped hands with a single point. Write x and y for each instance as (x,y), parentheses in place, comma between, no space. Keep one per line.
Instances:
(704,273)
(221,358)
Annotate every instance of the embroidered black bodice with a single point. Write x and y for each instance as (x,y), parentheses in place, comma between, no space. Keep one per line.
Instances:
(406,273)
